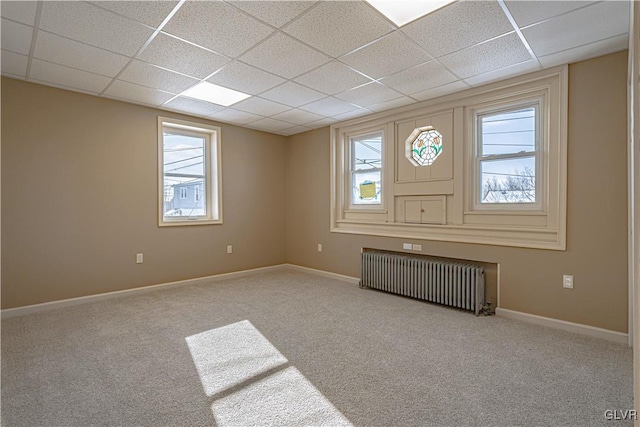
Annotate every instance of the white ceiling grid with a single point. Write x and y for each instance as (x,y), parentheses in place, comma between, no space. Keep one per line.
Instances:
(305,63)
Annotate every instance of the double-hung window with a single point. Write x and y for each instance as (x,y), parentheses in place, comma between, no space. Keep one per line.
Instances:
(189,173)
(507,161)
(366,170)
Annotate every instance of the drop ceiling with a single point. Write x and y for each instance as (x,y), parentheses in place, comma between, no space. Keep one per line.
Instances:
(305,64)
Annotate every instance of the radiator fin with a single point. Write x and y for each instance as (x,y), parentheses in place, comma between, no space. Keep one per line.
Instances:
(455,284)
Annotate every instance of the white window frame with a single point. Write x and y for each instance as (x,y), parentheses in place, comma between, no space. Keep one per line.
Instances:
(341,190)
(212,171)
(538,154)
(353,172)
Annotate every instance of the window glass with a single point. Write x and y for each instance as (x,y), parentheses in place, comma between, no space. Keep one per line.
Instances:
(508,156)
(184,171)
(366,169)
(509,132)
(508,181)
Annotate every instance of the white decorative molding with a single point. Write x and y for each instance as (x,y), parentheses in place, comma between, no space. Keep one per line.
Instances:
(578,328)
(540,228)
(35,308)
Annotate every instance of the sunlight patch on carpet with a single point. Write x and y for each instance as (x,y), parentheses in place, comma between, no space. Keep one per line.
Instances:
(285,398)
(232,354)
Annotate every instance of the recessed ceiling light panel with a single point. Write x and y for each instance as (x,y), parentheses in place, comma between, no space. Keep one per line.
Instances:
(402,12)
(209,92)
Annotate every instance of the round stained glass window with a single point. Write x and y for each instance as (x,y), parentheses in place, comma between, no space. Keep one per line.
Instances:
(425,145)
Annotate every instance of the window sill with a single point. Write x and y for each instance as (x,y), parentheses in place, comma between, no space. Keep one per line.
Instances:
(188,222)
(524,237)
(520,212)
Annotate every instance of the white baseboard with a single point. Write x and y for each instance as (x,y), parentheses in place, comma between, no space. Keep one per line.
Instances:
(21,311)
(341,277)
(592,331)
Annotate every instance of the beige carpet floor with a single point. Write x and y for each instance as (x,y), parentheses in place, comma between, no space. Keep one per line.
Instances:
(374,358)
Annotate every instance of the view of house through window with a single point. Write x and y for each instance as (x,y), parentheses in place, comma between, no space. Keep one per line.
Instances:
(184,173)
(366,169)
(189,173)
(507,156)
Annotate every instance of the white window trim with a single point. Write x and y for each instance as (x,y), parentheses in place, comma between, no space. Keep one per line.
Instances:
(213,172)
(341,182)
(539,153)
(544,228)
(365,206)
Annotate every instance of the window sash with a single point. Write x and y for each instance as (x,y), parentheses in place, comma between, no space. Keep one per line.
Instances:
(207,207)
(206,158)
(353,171)
(481,158)
(366,202)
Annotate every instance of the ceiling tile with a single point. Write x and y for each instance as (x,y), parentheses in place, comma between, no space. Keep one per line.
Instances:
(390,54)
(92,25)
(590,24)
(441,90)
(294,130)
(352,114)
(292,94)
(329,107)
(14,64)
(16,37)
(591,50)
(458,25)
(321,123)
(148,12)
(47,72)
(180,56)
(298,117)
(260,106)
(332,78)
(529,12)
(420,78)
(369,94)
(503,73)
(148,75)
(136,93)
(394,103)
(60,50)
(276,13)
(498,53)
(284,56)
(217,26)
(269,125)
(338,27)
(21,11)
(245,78)
(193,106)
(235,116)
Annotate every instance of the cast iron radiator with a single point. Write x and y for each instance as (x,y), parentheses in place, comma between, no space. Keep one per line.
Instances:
(450,283)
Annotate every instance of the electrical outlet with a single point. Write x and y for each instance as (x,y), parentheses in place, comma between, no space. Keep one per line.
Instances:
(319,247)
(229,249)
(407,246)
(417,247)
(567,281)
(139,258)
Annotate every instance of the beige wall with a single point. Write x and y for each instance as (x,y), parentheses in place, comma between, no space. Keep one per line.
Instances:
(79,199)
(531,280)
